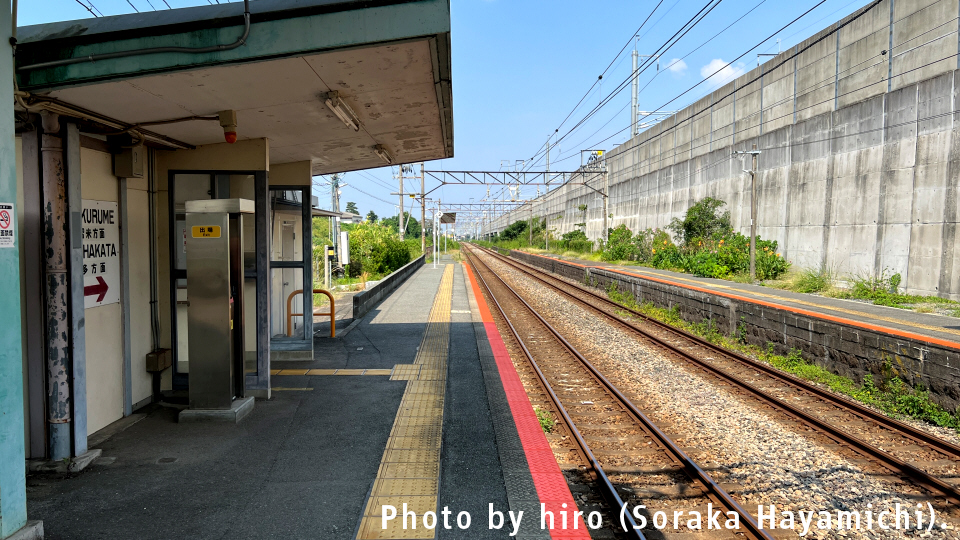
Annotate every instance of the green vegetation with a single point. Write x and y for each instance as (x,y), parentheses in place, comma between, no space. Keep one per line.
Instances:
(372,216)
(375,250)
(576,241)
(814,281)
(411,226)
(882,290)
(352,208)
(546,419)
(890,395)
(707,246)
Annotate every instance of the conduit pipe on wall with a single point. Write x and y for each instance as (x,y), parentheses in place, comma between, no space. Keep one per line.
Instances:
(154,50)
(57,289)
(152,209)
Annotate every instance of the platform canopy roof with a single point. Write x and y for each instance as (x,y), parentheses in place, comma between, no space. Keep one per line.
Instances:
(388,59)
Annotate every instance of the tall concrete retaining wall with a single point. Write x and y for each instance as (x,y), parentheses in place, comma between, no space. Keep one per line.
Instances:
(852,351)
(860,152)
(364,301)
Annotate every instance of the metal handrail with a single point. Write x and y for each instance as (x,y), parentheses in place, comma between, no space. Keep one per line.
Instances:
(331,314)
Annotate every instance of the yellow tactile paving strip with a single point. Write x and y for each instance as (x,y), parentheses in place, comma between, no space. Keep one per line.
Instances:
(410,469)
(314,372)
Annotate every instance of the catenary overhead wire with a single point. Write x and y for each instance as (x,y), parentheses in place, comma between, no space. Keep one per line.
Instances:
(88,8)
(820,140)
(589,90)
(744,54)
(672,40)
(693,115)
(657,74)
(738,58)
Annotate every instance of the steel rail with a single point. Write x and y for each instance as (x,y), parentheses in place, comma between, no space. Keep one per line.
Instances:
(609,491)
(890,461)
(906,430)
(690,467)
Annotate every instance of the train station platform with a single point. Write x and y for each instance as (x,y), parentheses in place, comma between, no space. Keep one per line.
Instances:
(927,325)
(418,404)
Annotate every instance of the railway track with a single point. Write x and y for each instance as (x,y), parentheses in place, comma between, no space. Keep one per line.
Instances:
(912,454)
(611,433)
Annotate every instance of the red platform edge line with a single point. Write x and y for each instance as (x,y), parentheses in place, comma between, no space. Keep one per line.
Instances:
(551,485)
(799,311)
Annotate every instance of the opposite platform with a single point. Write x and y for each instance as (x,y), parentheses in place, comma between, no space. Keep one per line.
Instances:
(848,337)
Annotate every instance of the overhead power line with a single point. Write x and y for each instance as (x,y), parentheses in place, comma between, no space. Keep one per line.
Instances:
(351,186)
(672,40)
(744,54)
(89,8)
(608,67)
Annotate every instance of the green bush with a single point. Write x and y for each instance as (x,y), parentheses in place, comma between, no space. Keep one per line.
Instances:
(718,257)
(514,230)
(620,245)
(574,235)
(702,221)
(377,248)
(703,243)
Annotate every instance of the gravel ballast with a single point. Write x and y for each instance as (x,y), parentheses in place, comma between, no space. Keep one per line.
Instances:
(765,461)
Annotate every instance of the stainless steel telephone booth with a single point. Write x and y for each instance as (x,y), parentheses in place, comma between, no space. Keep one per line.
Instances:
(214,259)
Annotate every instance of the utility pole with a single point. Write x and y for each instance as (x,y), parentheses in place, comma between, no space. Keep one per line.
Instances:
(335,204)
(606,209)
(634,97)
(531,224)
(753,209)
(548,151)
(635,90)
(400,216)
(423,214)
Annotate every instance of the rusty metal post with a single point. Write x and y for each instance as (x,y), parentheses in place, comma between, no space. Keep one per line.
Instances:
(57,289)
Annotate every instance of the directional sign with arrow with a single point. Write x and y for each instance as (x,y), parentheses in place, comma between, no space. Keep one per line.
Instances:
(99,290)
(100,230)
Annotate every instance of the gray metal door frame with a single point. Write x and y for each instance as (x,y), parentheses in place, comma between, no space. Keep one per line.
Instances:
(306,264)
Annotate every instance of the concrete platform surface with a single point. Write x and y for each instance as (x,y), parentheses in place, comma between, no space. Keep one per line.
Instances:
(413,387)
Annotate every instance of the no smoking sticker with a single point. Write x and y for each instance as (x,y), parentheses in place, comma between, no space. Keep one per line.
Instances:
(8,233)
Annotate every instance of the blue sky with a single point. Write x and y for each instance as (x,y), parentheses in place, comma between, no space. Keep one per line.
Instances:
(520,66)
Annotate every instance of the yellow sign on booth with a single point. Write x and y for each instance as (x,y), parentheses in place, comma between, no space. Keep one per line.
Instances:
(206,231)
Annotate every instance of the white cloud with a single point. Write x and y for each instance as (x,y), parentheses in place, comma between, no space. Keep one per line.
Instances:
(677,66)
(725,72)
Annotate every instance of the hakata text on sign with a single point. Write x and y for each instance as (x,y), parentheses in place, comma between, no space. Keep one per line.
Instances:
(8,219)
(101,253)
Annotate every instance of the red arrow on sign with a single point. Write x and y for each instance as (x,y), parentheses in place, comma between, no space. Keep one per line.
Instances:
(100,288)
